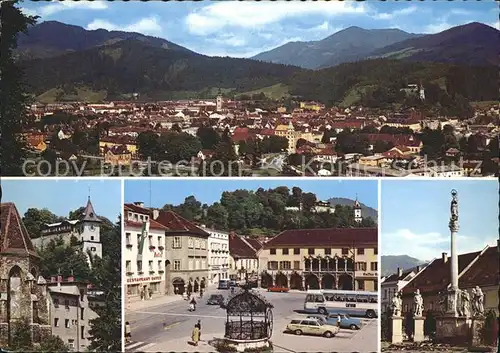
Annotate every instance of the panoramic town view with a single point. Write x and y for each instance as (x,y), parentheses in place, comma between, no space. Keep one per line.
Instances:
(224,266)
(353,89)
(60,266)
(440,278)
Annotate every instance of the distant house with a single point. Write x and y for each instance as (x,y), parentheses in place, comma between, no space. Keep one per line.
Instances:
(118,155)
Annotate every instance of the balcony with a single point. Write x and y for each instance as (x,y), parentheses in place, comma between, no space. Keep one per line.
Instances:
(161,247)
(129,273)
(152,247)
(129,245)
(151,272)
(161,271)
(140,272)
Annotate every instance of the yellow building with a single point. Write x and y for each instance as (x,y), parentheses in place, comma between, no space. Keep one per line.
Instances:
(107,143)
(288,131)
(310,106)
(333,258)
(118,156)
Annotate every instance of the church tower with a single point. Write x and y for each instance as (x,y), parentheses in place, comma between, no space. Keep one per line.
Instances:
(90,227)
(23,292)
(219,101)
(357,211)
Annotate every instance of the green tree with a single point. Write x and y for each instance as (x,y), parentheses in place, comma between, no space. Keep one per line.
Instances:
(308,201)
(60,258)
(13,97)
(53,344)
(209,138)
(105,330)
(148,144)
(34,218)
(21,335)
(217,216)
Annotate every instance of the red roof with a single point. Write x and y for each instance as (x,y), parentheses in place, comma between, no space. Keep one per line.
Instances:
(240,248)
(137,209)
(324,237)
(152,224)
(14,237)
(436,276)
(400,139)
(177,224)
(484,272)
(255,243)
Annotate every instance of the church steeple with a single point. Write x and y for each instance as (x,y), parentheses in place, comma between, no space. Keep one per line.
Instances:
(89,213)
(357,210)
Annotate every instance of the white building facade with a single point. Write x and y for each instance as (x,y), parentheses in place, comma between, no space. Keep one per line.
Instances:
(144,253)
(218,255)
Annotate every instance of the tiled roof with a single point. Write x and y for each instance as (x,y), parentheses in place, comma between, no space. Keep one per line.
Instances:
(484,272)
(325,237)
(137,209)
(254,243)
(395,276)
(436,276)
(14,237)
(152,224)
(89,213)
(177,224)
(239,248)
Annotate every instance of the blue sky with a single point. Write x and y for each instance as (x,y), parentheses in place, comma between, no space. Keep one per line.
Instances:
(209,191)
(415,216)
(63,196)
(243,29)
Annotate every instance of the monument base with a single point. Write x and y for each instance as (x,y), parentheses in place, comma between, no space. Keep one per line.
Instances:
(476,332)
(453,330)
(396,329)
(242,345)
(418,335)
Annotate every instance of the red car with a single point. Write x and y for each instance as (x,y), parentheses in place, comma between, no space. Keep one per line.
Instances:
(278,289)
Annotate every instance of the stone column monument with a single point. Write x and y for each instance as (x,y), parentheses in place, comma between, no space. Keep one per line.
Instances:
(454,324)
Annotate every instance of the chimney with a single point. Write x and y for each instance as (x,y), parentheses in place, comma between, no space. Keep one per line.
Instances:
(59,279)
(400,272)
(71,279)
(52,279)
(445,257)
(418,268)
(139,203)
(156,214)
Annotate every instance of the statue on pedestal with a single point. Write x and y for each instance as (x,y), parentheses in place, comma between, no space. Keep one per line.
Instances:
(464,303)
(396,304)
(478,301)
(419,304)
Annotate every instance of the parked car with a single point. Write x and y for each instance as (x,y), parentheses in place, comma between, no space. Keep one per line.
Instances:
(215,299)
(346,321)
(278,289)
(312,326)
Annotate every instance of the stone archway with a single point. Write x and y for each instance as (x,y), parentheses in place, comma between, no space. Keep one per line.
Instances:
(328,282)
(266,280)
(345,282)
(179,285)
(312,282)
(296,281)
(281,280)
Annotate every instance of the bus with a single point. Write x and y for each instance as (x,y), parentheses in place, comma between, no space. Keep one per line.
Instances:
(328,301)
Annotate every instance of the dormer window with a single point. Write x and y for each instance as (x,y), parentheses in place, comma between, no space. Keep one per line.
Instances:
(91,214)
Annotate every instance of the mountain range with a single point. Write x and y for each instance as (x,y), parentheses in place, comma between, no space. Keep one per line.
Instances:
(114,64)
(350,44)
(473,44)
(391,263)
(366,212)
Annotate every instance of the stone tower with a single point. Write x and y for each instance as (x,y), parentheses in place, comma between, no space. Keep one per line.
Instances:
(23,293)
(357,211)
(219,102)
(90,226)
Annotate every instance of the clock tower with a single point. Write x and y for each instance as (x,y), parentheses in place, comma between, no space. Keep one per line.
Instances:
(357,211)
(90,226)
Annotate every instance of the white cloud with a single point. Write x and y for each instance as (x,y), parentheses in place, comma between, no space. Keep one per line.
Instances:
(216,16)
(71,5)
(442,25)
(29,12)
(324,27)
(429,245)
(148,25)
(460,12)
(392,15)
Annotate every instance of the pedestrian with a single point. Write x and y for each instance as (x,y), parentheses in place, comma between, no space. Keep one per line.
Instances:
(196,335)
(150,293)
(128,335)
(338,320)
(198,324)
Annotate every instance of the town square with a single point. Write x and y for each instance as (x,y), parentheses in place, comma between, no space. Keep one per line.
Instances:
(304,253)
